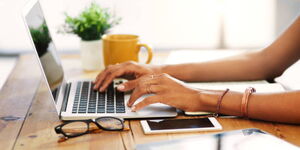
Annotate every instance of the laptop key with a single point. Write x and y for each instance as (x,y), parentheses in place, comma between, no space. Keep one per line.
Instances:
(76,99)
(101,102)
(91,110)
(120,104)
(92,100)
(121,111)
(100,111)
(83,98)
(110,111)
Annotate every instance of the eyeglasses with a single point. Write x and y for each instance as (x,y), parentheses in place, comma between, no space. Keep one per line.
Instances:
(73,129)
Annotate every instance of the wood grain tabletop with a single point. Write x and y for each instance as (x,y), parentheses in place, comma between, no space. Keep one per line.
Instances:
(28,116)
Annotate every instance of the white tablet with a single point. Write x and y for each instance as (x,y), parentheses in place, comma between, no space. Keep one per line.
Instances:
(180,125)
(246,139)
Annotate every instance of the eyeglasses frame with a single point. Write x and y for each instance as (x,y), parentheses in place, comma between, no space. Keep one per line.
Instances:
(58,129)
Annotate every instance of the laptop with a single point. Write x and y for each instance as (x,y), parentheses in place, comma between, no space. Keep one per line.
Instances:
(76,100)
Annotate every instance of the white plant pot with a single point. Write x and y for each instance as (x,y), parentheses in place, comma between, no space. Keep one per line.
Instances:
(91,55)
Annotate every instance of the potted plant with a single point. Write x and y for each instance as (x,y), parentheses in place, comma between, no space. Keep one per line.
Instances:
(90,25)
(42,41)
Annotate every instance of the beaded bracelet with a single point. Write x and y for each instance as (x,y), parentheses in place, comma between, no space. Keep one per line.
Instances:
(216,114)
(245,101)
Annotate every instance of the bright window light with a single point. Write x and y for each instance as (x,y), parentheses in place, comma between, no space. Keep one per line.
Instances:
(248,23)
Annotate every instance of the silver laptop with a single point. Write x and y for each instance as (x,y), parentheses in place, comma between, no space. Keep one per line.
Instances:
(75,100)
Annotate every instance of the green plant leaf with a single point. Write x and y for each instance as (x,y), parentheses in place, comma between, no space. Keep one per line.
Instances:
(91,23)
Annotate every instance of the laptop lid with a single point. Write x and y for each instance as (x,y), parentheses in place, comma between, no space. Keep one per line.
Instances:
(45,51)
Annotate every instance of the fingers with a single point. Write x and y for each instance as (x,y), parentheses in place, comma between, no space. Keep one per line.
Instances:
(134,96)
(147,101)
(141,90)
(110,77)
(105,78)
(127,86)
(111,72)
(101,77)
(99,80)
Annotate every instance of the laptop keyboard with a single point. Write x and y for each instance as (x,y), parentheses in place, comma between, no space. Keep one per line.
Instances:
(89,101)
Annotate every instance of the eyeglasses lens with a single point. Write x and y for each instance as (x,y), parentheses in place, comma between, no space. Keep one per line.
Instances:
(75,128)
(110,123)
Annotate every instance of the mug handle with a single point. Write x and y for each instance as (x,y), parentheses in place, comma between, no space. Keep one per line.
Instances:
(149,49)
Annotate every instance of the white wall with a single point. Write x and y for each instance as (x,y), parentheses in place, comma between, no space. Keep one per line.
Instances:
(12,33)
(165,24)
(286,11)
(249,23)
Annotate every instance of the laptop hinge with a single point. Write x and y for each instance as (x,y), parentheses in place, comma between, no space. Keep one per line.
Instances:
(66,98)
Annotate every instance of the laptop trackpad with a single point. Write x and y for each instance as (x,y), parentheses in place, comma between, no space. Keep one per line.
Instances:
(156,109)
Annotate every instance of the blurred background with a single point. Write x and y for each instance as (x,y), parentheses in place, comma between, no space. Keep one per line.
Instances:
(164,24)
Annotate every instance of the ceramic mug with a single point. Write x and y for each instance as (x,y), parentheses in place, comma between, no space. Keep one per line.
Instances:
(118,48)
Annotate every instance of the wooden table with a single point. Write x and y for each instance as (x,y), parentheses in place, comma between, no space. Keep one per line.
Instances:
(27,117)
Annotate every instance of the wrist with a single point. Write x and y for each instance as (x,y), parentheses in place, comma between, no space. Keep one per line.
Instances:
(159,69)
(177,71)
(230,103)
(209,100)
(168,69)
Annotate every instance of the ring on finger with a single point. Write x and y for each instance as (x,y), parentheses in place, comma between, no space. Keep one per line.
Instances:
(151,76)
(148,89)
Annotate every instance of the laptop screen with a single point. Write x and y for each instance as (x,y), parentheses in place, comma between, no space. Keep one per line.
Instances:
(44,46)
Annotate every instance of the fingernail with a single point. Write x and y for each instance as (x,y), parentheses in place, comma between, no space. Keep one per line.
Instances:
(95,87)
(133,109)
(121,87)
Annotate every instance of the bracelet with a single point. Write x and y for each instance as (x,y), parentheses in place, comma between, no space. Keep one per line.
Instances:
(245,100)
(216,114)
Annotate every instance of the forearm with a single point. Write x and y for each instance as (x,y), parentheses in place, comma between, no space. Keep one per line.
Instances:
(248,66)
(266,64)
(278,107)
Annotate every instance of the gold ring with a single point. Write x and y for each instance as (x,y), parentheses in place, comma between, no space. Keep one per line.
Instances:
(152,76)
(149,89)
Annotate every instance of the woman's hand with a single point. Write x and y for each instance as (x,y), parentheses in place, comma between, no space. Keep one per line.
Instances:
(166,90)
(128,70)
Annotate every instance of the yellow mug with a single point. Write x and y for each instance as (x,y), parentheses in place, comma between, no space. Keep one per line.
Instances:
(118,48)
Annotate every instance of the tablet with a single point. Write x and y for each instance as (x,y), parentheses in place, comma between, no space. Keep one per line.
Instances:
(246,139)
(200,113)
(180,125)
